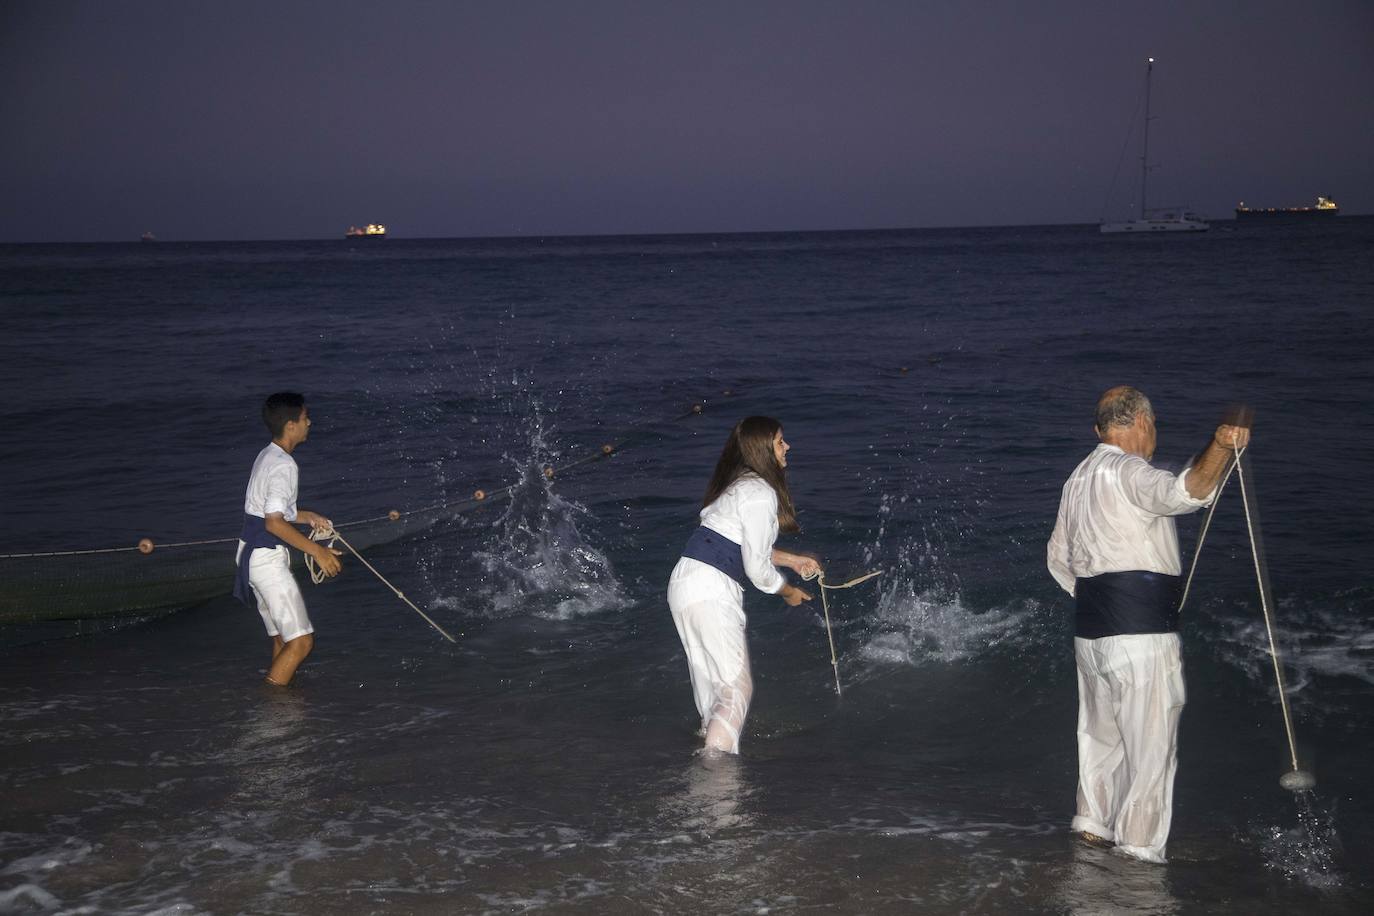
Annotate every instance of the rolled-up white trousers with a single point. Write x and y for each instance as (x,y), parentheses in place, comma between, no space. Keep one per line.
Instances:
(279,597)
(1130,698)
(708,611)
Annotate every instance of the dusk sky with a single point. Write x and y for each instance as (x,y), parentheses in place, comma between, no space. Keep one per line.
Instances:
(288,120)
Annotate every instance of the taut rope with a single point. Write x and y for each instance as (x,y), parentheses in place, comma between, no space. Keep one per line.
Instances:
(1206,524)
(1268,625)
(317,575)
(1300,779)
(819,579)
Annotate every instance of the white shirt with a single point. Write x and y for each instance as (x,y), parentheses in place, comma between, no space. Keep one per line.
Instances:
(747,513)
(1115,515)
(272,485)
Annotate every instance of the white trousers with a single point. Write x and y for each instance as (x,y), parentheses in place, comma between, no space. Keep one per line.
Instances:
(708,611)
(1130,697)
(280,602)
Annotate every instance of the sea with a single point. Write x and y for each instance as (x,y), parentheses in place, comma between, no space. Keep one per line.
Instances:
(937,387)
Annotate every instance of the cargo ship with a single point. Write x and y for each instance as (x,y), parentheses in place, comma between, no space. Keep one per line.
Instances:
(1325,207)
(370,231)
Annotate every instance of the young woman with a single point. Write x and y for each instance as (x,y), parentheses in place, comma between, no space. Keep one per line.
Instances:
(745,506)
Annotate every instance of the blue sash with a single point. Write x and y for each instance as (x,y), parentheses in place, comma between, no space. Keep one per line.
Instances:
(254,534)
(714,549)
(1121,603)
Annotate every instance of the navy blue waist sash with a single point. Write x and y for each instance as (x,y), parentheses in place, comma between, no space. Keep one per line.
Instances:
(715,549)
(1121,603)
(254,534)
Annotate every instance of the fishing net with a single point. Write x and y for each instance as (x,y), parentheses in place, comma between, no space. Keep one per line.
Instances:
(127,581)
(149,578)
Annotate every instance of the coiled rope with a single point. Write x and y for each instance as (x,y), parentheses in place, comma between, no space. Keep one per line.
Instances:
(1296,779)
(819,578)
(317,575)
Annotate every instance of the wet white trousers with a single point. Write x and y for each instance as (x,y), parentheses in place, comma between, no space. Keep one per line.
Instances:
(1130,698)
(708,611)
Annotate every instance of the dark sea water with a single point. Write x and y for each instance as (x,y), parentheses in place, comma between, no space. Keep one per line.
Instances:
(937,387)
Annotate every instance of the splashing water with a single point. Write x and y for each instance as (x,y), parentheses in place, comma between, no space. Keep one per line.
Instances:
(921,614)
(932,625)
(1306,852)
(539,557)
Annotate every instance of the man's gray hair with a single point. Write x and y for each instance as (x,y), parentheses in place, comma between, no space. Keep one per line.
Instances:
(1120,406)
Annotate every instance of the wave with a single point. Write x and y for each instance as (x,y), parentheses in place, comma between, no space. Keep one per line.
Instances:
(1322,643)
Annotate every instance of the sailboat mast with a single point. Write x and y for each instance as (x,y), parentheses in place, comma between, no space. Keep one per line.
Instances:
(1145,151)
(1161,219)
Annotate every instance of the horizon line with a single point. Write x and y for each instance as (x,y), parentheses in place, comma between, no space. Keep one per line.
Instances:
(588,235)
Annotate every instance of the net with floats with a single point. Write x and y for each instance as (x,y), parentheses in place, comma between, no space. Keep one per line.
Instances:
(152,577)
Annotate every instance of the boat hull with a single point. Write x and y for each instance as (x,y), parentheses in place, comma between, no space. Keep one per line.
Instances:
(1147,226)
(1286,214)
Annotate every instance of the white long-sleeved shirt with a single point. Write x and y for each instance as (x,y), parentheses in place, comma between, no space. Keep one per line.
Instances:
(272,485)
(1116,514)
(747,513)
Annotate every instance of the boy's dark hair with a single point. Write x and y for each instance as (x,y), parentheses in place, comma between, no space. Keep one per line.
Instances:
(280,409)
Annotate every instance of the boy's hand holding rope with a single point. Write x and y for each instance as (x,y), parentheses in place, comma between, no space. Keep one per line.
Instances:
(317,575)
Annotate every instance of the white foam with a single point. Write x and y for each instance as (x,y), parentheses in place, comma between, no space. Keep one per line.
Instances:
(70,853)
(921,615)
(933,626)
(1320,644)
(31,893)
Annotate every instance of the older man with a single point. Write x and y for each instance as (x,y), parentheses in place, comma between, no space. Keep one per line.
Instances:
(1115,549)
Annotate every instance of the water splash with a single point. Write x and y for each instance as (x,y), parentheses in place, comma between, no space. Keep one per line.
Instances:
(539,559)
(1308,851)
(915,626)
(921,614)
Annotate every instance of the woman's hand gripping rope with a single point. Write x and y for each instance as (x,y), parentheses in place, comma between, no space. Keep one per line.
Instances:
(317,575)
(818,576)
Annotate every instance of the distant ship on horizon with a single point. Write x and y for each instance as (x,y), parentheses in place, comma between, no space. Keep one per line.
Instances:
(1325,206)
(370,231)
(147,237)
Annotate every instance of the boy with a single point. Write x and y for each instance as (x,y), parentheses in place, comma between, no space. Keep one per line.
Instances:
(269,509)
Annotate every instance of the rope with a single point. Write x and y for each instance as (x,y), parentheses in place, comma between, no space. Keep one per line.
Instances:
(1130,132)
(1238,467)
(134,549)
(317,575)
(819,578)
(1268,624)
(1206,524)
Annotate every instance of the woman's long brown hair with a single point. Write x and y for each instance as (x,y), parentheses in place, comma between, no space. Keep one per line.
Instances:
(750,448)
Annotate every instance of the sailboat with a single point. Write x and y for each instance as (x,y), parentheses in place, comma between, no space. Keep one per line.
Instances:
(1160,219)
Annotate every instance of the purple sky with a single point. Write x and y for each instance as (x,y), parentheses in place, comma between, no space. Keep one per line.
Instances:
(254,120)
